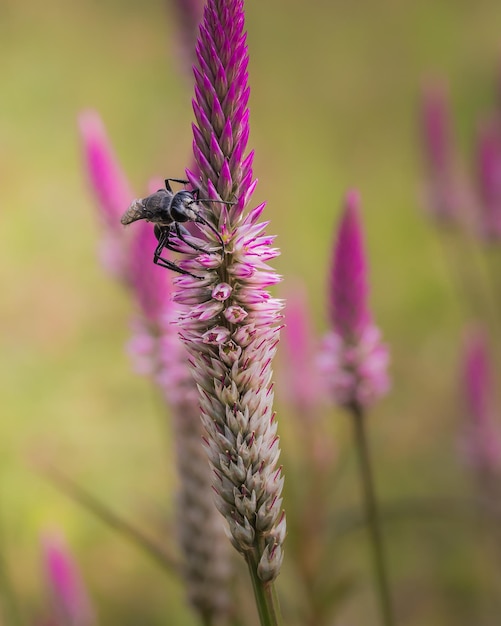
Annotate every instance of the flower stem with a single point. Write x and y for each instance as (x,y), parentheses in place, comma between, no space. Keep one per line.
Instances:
(372,516)
(266,597)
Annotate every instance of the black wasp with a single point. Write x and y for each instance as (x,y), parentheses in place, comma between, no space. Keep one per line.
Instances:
(168,210)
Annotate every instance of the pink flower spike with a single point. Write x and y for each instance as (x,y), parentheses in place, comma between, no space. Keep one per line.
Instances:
(106,177)
(437,131)
(110,187)
(348,285)
(70,598)
(443,197)
(229,321)
(489,178)
(353,360)
(482,439)
(149,282)
(299,367)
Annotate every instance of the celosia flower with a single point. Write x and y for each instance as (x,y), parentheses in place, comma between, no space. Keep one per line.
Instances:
(443,195)
(482,440)
(299,366)
(71,602)
(489,179)
(353,359)
(158,352)
(111,188)
(230,323)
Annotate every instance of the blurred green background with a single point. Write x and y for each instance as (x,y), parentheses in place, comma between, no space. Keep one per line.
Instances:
(334,99)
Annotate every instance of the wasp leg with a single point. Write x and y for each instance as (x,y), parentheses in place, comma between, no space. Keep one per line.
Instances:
(182,232)
(163,242)
(174,180)
(170,265)
(164,235)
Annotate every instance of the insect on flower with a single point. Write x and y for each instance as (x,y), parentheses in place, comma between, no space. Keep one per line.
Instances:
(168,210)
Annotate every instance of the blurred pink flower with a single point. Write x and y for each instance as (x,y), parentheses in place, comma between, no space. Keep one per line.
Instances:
(482,439)
(353,359)
(489,178)
(110,187)
(189,13)
(444,197)
(301,380)
(157,351)
(71,602)
(150,282)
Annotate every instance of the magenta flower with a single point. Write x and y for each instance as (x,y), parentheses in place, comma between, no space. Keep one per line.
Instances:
(489,179)
(443,195)
(158,352)
(301,379)
(71,602)
(482,440)
(230,322)
(353,359)
(111,189)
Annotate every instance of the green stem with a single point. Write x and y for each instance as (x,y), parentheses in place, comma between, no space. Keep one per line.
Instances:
(265,595)
(372,515)
(84,498)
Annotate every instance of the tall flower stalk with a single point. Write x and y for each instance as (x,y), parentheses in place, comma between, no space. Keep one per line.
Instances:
(354,361)
(489,179)
(158,352)
(443,196)
(229,322)
(481,438)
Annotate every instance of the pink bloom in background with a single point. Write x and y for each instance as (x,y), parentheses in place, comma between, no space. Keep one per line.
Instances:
(71,602)
(299,367)
(189,16)
(348,288)
(444,197)
(481,440)
(111,189)
(149,282)
(151,288)
(489,178)
(157,351)
(353,359)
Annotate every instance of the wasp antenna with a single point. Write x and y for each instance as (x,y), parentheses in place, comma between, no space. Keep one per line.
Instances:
(214,200)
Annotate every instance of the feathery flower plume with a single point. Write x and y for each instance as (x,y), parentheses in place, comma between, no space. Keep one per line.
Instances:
(71,602)
(489,179)
(353,359)
(230,323)
(443,196)
(158,352)
(110,187)
(482,440)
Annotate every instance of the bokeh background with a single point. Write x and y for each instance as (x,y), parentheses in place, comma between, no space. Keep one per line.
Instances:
(334,102)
